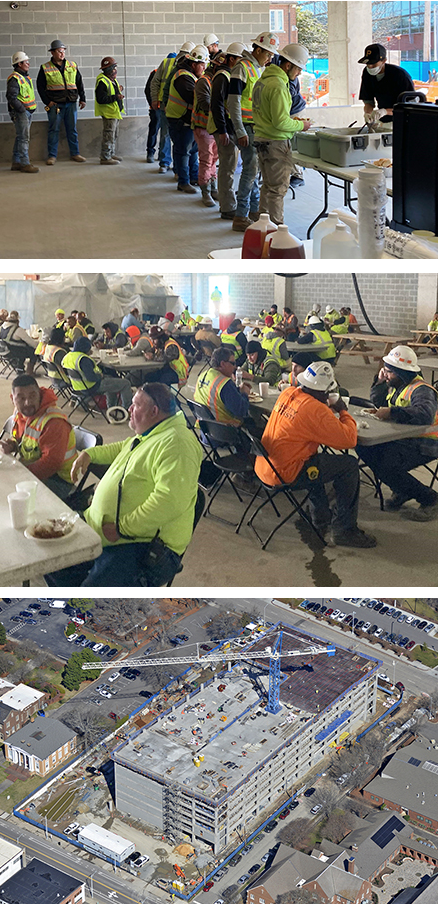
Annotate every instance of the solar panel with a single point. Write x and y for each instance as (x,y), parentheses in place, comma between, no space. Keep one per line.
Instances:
(383,836)
(431,766)
(414,761)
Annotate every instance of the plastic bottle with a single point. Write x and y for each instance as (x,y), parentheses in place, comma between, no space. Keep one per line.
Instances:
(255,237)
(285,245)
(239,377)
(339,244)
(371,211)
(323,228)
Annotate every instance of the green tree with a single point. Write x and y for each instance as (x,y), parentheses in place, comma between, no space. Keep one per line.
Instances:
(312,33)
(73,675)
(2,634)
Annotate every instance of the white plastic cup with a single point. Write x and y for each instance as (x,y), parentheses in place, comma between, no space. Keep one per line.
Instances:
(264,389)
(19,508)
(31,488)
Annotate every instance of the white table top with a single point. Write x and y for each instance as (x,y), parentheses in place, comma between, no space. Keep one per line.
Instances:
(293,346)
(24,559)
(344,173)
(128,363)
(428,361)
(236,254)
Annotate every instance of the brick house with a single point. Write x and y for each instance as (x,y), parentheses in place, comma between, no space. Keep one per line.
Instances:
(41,745)
(408,784)
(17,705)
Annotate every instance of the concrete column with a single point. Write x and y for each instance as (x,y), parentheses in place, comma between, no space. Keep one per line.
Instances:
(349,31)
(280,292)
(427,298)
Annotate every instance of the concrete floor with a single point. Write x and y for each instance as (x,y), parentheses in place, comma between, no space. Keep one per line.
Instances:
(216,558)
(82,211)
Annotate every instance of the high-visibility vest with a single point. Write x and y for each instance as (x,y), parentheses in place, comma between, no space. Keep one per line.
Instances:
(58,81)
(331,316)
(256,369)
(276,318)
(176,107)
(404,399)
(321,338)
(54,371)
(7,334)
(273,346)
(253,75)
(187,320)
(70,331)
(207,392)
(29,445)
(211,125)
(72,365)
(199,118)
(230,339)
(26,92)
(180,365)
(110,111)
(112,341)
(341,328)
(168,65)
(432,325)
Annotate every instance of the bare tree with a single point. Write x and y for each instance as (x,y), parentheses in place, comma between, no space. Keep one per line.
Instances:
(7,662)
(89,726)
(328,795)
(22,670)
(338,826)
(296,833)
(298,895)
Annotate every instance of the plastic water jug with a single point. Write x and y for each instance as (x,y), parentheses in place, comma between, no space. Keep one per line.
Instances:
(255,240)
(323,228)
(339,244)
(285,245)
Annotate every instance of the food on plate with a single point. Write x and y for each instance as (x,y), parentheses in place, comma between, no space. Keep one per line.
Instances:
(383,162)
(53,528)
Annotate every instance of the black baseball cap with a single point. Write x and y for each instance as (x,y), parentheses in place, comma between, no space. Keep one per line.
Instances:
(373,54)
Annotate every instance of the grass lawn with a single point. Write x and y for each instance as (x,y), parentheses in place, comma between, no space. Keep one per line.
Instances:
(428,657)
(420,609)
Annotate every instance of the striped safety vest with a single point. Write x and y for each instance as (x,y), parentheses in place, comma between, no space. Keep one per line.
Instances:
(180,365)
(230,339)
(404,399)
(58,81)
(273,346)
(54,371)
(72,364)
(321,338)
(208,392)
(341,328)
(168,65)
(26,93)
(211,125)
(110,111)
(253,75)
(29,445)
(176,107)
(199,118)
(257,369)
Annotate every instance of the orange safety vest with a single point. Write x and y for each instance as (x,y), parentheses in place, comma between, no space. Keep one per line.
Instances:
(199,118)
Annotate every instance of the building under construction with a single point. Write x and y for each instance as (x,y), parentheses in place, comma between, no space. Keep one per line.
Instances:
(211,764)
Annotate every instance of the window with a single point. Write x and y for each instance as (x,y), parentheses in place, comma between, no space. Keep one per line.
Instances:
(276,19)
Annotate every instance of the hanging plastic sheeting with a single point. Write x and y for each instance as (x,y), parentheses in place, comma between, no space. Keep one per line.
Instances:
(103,297)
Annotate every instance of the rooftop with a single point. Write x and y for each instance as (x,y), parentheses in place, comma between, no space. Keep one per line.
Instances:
(38,883)
(8,851)
(20,697)
(41,736)
(410,780)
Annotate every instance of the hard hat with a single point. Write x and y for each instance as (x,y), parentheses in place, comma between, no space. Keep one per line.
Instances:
(329,308)
(236,48)
(314,319)
(318,376)
(59,311)
(316,307)
(199,54)
(107,62)
(56,45)
(117,414)
(210,39)
(268,41)
(402,357)
(199,319)
(296,54)
(207,321)
(187,47)
(19,57)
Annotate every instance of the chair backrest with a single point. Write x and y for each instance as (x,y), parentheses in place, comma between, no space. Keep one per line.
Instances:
(199,507)
(220,435)
(86,439)
(8,425)
(199,410)
(257,449)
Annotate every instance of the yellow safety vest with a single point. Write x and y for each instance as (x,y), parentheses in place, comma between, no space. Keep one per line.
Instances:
(273,346)
(70,331)
(211,125)
(257,369)
(433,325)
(404,400)
(110,111)
(72,364)
(169,63)
(58,81)
(29,447)
(54,371)
(230,339)
(199,118)
(187,320)
(26,93)
(321,338)
(208,392)
(341,328)
(176,107)
(332,316)
(180,365)
(253,75)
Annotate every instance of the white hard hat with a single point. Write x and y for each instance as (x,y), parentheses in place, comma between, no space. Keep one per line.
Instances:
(316,307)
(318,376)
(210,39)
(296,54)
(19,57)
(329,308)
(314,319)
(187,47)
(402,357)
(236,48)
(206,321)
(199,54)
(117,414)
(268,41)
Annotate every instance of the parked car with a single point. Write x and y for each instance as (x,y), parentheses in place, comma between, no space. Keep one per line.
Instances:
(409,618)
(390,612)
(45,613)
(142,861)
(404,641)
(243,879)
(309,792)
(135,855)
(208,885)
(72,637)
(410,645)
(429,627)
(113,676)
(384,636)
(400,686)
(396,614)
(294,804)
(378,632)
(366,626)
(270,826)
(360,624)
(28,613)
(97,646)
(383,676)
(284,813)
(72,827)
(254,868)
(384,609)
(415,623)
(105,693)
(315,809)
(329,612)
(35,606)
(266,857)
(349,619)
(378,607)
(16,619)
(401,618)
(372,629)
(112,652)
(422,624)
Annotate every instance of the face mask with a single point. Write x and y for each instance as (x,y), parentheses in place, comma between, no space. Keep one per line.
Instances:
(373,70)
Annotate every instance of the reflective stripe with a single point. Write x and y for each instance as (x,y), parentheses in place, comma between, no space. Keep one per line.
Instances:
(176,107)
(404,400)
(208,390)
(55,78)
(26,94)
(323,337)
(199,118)
(230,339)
(180,365)
(29,444)
(72,364)
(169,63)
(273,346)
(253,75)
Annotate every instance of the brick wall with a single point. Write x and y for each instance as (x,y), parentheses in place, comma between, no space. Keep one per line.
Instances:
(182,284)
(138,34)
(390,300)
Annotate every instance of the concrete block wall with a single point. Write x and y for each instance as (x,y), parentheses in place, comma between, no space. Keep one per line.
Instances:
(138,34)
(182,284)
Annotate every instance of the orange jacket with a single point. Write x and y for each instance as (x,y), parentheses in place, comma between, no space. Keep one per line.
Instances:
(54,437)
(298,424)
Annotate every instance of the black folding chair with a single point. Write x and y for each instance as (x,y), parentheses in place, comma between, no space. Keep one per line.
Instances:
(57,381)
(84,440)
(209,474)
(85,399)
(199,509)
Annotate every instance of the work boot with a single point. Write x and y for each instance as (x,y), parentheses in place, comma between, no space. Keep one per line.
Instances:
(296,181)
(163,169)
(150,159)
(51,161)
(425,512)
(241,223)
(254,216)
(206,197)
(213,188)
(116,157)
(29,168)
(188,189)
(228,215)
(353,538)
(16,165)
(110,160)
(395,502)
(78,158)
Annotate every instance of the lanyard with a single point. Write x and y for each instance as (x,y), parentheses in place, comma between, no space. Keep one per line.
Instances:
(134,444)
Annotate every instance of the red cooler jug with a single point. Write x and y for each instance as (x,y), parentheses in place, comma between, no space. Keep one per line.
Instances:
(254,240)
(285,245)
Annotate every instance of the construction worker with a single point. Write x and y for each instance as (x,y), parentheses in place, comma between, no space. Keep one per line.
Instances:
(260,365)
(186,319)
(341,324)
(274,128)
(401,395)
(323,347)
(85,374)
(61,319)
(299,362)
(211,42)
(154,121)
(289,324)
(156,90)
(331,315)
(59,85)
(21,345)
(274,343)
(433,324)
(73,330)
(381,84)
(244,75)
(220,125)
(315,310)
(303,419)
(234,336)
(166,349)
(109,105)
(207,148)
(113,337)
(132,319)
(53,355)
(216,389)
(20,96)
(179,114)
(297,105)
(273,312)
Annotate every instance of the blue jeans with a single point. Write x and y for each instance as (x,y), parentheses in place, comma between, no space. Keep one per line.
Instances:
(21,121)
(185,152)
(248,192)
(119,565)
(68,114)
(154,127)
(165,148)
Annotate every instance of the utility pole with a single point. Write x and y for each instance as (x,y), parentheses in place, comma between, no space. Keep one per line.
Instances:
(426,32)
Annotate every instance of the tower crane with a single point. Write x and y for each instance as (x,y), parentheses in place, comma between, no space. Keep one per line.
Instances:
(273,653)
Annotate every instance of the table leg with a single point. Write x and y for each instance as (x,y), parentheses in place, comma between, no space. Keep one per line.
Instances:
(324,211)
(347,196)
